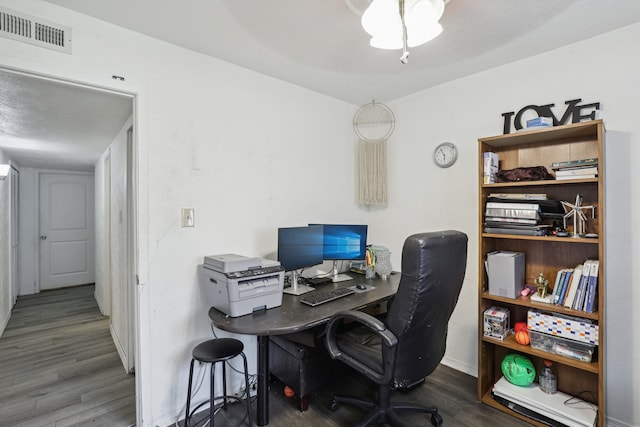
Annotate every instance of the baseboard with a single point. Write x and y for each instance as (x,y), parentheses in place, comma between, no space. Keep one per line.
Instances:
(119,348)
(460,366)
(5,322)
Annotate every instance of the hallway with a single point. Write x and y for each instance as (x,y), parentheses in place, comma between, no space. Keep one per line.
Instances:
(59,366)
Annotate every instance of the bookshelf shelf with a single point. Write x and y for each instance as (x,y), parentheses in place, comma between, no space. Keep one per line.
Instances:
(544,254)
(570,240)
(511,344)
(541,183)
(540,306)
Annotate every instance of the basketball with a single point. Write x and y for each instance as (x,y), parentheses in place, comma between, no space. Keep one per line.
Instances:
(522,337)
(288,391)
(520,326)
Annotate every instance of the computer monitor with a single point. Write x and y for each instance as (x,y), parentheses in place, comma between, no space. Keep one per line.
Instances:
(343,242)
(298,248)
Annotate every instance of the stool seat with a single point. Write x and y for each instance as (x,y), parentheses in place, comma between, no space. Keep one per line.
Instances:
(217,350)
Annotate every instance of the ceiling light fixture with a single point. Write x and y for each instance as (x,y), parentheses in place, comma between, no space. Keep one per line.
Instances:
(399,24)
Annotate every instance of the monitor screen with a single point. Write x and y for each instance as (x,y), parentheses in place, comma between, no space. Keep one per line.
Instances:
(300,247)
(344,241)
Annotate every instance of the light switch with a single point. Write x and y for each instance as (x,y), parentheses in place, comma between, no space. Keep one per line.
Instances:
(188,219)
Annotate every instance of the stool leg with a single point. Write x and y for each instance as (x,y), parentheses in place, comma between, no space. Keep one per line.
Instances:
(186,415)
(212,395)
(246,382)
(224,385)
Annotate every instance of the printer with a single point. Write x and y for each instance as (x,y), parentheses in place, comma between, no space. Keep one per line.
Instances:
(238,285)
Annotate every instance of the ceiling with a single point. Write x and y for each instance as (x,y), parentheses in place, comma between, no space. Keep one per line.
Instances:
(316,44)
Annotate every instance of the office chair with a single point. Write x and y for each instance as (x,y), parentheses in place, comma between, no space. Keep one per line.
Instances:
(414,333)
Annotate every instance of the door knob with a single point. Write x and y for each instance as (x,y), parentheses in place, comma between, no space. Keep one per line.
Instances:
(43,237)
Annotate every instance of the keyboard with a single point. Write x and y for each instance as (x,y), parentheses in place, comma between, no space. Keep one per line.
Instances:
(317,298)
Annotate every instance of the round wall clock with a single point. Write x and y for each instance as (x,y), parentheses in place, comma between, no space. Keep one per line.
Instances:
(445,154)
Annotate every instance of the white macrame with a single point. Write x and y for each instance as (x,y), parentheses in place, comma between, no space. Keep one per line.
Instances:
(372,172)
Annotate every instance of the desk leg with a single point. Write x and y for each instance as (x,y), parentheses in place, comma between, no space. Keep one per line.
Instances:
(263,380)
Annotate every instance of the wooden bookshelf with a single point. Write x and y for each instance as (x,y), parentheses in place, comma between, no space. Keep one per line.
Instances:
(544,254)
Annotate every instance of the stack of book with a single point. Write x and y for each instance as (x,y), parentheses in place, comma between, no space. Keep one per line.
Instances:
(576,169)
(515,214)
(577,287)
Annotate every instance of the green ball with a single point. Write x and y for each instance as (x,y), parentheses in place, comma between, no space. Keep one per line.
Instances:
(518,369)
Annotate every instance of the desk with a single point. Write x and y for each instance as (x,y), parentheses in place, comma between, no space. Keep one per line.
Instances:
(294,316)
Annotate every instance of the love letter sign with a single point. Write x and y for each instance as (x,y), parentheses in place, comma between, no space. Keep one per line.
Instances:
(574,112)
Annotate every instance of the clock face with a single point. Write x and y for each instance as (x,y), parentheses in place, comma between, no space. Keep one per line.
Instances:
(445,154)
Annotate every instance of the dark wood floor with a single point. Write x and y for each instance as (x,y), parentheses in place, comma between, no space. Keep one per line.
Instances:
(59,366)
(453,392)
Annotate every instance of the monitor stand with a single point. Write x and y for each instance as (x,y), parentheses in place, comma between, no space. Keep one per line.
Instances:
(297,288)
(337,277)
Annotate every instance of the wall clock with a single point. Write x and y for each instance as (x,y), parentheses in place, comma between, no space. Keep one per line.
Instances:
(445,154)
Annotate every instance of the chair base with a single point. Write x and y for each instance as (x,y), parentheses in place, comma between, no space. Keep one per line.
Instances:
(389,414)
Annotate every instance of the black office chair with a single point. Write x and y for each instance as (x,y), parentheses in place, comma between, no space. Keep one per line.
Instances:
(414,334)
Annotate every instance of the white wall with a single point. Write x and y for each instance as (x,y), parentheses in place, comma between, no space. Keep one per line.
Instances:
(425,197)
(5,247)
(250,153)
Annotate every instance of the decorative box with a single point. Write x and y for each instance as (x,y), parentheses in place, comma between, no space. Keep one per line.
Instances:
(572,328)
(496,322)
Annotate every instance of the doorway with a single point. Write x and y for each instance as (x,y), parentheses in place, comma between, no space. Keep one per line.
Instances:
(61,146)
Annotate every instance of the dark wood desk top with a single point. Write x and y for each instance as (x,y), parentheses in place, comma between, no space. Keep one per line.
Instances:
(294,316)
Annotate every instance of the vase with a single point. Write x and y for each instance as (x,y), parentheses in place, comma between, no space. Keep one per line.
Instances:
(383,264)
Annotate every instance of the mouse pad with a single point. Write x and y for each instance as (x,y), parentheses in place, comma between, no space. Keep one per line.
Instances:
(359,291)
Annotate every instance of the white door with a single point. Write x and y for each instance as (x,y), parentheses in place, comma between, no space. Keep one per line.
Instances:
(66,230)
(15,280)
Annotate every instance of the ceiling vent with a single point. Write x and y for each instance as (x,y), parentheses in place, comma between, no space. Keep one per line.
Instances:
(36,31)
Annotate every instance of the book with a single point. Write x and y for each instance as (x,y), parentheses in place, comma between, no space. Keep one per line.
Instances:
(576,176)
(501,220)
(539,121)
(519,196)
(573,163)
(590,300)
(566,278)
(578,301)
(573,286)
(556,286)
(519,231)
(513,205)
(577,171)
(512,213)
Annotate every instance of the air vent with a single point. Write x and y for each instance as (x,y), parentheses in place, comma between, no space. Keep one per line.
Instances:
(36,31)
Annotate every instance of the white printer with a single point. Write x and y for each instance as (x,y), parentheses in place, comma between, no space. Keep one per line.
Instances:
(237,285)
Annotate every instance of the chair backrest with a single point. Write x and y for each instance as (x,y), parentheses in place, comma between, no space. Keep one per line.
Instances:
(433,269)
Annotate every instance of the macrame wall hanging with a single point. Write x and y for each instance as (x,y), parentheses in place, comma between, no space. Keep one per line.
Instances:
(373,124)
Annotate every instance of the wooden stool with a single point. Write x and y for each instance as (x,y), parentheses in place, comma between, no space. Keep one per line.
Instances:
(214,351)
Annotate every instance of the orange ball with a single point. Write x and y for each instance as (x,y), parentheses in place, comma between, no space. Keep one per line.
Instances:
(522,338)
(288,391)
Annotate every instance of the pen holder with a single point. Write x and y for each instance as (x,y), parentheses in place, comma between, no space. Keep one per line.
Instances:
(369,272)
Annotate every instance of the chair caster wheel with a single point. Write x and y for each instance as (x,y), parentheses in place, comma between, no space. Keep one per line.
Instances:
(436,419)
(333,406)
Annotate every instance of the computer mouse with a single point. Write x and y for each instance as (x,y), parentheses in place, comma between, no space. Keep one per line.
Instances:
(361,286)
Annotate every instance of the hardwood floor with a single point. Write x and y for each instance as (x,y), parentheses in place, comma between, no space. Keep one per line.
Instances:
(453,392)
(59,366)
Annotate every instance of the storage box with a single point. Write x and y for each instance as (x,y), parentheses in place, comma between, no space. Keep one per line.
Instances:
(490,167)
(576,329)
(496,322)
(561,346)
(506,273)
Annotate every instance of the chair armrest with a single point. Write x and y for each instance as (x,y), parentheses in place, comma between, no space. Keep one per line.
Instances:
(351,356)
